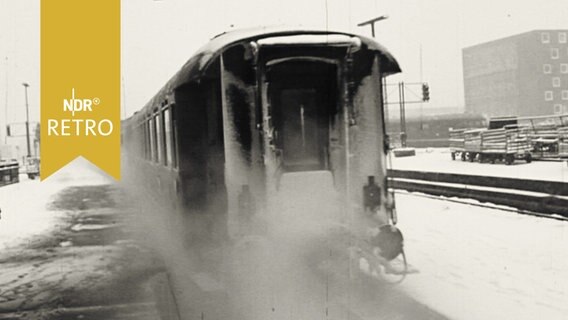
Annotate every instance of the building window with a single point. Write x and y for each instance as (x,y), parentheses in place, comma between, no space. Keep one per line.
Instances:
(564,67)
(556,82)
(548,96)
(554,53)
(557,109)
(546,68)
(545,37)
(562,37)
(564,94)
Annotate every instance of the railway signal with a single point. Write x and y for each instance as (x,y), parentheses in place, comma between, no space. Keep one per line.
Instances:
(26,85)
(425,92)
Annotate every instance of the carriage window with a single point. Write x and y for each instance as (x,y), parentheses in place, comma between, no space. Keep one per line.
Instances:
(144,140)
(556,82)
(147,148)
(562,37)
(168,136)
(159,140)
(145,144)
(137,139)
(174,136)
(548,96)
(564,68)
(564,94)
(152,133)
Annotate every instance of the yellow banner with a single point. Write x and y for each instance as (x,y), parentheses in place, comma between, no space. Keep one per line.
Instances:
(80,84)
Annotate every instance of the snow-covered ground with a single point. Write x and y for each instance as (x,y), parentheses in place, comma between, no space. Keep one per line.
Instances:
(473,262)
(439,160)
(23,204)
(67,250)
(480,263)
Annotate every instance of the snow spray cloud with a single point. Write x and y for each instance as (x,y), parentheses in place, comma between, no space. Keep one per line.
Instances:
(280,273)
(292,263)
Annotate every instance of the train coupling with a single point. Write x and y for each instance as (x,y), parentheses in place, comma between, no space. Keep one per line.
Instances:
(389,241)
(384,258)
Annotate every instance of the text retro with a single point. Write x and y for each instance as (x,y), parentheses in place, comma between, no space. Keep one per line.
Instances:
(79,127)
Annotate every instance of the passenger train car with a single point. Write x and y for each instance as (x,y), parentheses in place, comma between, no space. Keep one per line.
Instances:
(254,105)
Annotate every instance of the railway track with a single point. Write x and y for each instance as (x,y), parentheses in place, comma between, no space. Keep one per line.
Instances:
(136,310)
(536,197)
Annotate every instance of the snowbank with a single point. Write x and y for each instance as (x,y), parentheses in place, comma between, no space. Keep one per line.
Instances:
(24,212)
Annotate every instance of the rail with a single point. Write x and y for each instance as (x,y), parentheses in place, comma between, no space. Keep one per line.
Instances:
(543,197)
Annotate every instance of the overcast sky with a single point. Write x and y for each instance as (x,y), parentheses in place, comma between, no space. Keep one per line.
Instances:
(158,36)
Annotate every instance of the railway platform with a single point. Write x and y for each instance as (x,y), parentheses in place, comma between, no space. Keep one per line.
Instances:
(483,263)
(68,250)
(439,160)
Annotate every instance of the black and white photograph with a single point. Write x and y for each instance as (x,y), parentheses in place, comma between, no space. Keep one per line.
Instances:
(295,160)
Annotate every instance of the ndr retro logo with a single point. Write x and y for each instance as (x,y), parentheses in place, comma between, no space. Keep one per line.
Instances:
(83,126)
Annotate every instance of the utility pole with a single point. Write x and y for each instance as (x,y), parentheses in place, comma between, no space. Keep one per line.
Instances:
(421,111)
(27,120)
(402,105)
(6,105)
(123,99)
(385,105)
(372,23)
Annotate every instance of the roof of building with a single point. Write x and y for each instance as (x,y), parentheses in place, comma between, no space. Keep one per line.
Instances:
(514,37)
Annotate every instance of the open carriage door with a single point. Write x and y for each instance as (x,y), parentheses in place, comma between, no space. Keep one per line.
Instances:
(300,81)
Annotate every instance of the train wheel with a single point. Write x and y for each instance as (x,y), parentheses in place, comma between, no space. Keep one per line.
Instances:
(528,158)
(470,156)
(481,158)
(453,156)
(463,156)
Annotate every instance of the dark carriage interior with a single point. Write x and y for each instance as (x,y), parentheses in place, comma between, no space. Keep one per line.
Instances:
(302,95)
